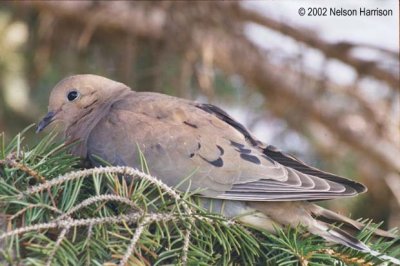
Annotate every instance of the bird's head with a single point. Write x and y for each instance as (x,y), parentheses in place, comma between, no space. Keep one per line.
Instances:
(77,96)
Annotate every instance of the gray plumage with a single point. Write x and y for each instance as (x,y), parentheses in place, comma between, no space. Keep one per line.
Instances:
(181,138)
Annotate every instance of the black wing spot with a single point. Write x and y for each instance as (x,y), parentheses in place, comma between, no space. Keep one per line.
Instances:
(190,124)
(246,151)
(240,147)
(250,158)
(221,150)
(217,163)
(237,145)
(191,155)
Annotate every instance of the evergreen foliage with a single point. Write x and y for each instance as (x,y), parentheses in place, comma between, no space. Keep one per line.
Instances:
(55,213)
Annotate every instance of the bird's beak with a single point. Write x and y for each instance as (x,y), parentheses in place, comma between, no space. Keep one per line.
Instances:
(45,121)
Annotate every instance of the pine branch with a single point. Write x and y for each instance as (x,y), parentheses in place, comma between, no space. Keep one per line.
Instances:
(123,216)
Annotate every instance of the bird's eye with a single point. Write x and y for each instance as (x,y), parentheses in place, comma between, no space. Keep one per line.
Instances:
(72,95)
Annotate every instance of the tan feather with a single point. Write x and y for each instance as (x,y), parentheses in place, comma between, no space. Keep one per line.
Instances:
(180,138)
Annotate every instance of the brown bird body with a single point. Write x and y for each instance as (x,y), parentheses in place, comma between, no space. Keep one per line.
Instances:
(181,139)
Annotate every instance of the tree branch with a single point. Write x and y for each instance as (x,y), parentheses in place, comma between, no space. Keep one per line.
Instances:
(337,51)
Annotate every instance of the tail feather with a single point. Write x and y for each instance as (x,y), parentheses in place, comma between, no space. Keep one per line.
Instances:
(323,214)
(335,234)
(308,214)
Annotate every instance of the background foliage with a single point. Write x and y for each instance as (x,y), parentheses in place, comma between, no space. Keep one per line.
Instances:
(217,52)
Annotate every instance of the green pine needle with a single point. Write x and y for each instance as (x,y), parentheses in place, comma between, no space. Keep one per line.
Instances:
(66,217)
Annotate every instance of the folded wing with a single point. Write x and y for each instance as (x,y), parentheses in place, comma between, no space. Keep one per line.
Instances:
(180,138)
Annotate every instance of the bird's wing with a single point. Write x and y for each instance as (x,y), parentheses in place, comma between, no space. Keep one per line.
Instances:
(199,146)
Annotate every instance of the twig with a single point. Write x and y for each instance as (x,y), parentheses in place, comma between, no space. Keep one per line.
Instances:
(136,236)
(88,239)
(186,243)
(60,238)
(31,206)
(346,258)
(133,217)
(24,168)
(95,199)
(107,170)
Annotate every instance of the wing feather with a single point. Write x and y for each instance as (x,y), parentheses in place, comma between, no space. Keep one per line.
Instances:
(181,138)
(303,182)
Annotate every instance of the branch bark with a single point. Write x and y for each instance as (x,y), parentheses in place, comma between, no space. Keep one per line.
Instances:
(118,17)
(337,51)
(238,55)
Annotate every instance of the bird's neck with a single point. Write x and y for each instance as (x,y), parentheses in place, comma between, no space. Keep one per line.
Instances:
(79,130)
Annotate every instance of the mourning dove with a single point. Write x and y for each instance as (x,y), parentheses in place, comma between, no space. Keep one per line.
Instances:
(240,175)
